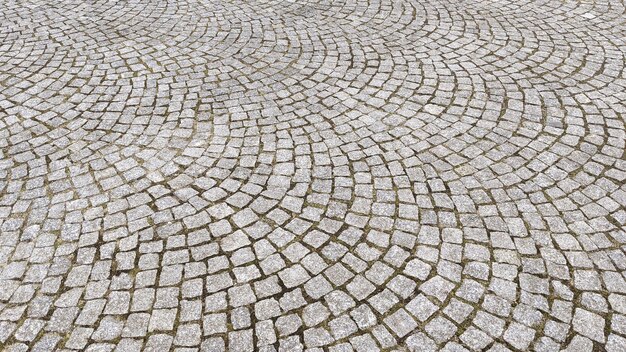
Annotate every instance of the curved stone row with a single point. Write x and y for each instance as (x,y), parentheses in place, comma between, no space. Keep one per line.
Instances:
(305,175)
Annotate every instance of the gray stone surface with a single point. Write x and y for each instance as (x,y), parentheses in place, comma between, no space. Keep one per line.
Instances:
(282,175)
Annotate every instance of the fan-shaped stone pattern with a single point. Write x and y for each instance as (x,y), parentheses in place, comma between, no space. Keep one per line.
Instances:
(305,175)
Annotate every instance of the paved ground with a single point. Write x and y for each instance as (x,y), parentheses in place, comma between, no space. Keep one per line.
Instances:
(320,175)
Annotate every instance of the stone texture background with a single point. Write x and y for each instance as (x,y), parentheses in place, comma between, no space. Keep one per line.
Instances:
(321,175)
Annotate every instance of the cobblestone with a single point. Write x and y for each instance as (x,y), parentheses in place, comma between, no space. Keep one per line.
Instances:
(282,175)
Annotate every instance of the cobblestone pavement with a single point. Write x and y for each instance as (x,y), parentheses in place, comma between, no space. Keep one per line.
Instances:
(321,175)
